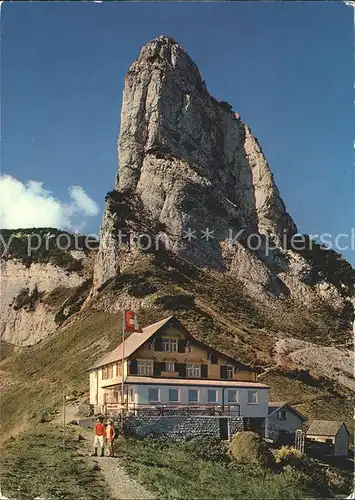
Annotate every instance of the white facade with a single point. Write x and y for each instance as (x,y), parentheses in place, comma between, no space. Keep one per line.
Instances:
(244,399)
(253,402)
(98,384)
(285,419)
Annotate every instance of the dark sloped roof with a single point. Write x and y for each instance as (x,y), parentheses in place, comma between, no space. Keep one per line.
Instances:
(324,427)
(276,405)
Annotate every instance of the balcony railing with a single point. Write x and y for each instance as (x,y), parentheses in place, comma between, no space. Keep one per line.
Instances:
(232,410)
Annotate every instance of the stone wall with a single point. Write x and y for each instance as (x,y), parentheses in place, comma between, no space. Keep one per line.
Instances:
(180,427)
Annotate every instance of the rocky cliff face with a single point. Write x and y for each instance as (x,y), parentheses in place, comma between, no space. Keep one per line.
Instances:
(188,164)
(26,317)
(38,290)
(175,136)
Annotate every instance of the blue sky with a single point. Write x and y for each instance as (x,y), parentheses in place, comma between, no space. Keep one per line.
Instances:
(286,67)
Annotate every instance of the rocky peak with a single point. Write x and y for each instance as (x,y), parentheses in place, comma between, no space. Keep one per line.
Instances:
(167,110)
(188,163)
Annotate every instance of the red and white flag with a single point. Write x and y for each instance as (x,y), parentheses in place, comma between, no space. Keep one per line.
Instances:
(131,322)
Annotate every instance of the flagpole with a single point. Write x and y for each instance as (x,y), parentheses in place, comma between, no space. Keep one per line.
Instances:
(122,365)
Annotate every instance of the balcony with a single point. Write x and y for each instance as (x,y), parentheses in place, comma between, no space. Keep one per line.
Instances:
(174,409)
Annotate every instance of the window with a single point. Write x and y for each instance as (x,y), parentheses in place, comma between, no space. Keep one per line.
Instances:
(189,348)
(131,395)
(118,369)
(232,396)
(145,367)
(193,371)
(169,366)
(148,345)
(116,396)
(173,395)
(153,395)
(281,415)
(170,345)
(229,371)
(107,372)
(212,396)
(193,395)
(252,397)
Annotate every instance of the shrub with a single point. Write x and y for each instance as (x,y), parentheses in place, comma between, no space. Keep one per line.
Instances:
(339,481)
(287,455)
(309,474)
(22,299)
(142,289)
(249,448)
(27,299)
(176,302)
(207,448)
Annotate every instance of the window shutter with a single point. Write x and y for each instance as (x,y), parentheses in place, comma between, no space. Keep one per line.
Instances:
(213,358)
(133,367)
(158,368)
(181,345)
(223,372)
(181,369)
(158,344)
(204,371)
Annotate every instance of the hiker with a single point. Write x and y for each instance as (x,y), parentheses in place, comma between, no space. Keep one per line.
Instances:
(99,431)
(110,436)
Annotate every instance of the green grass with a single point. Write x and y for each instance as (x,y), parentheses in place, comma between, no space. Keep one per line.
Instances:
(178,470)
(35,464)
(214,308)
(41,372)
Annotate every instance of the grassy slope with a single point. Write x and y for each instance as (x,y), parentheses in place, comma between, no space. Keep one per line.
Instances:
(216,310)
(36,464)
(201,469)
(213,307)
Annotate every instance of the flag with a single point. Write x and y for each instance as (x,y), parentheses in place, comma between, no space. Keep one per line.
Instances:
(130,321)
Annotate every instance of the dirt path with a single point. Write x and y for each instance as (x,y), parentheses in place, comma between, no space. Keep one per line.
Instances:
(121,485)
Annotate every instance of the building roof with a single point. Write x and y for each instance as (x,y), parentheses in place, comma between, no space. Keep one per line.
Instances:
(137,339)
(189,381)
(131,344)
(324,428)
(274,406)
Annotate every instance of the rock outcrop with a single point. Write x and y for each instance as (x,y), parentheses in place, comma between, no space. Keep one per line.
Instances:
(191,167)
(27,315)
(41,282)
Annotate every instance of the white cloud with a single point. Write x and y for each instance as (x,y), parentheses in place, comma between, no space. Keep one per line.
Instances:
(82,200)
(31,205)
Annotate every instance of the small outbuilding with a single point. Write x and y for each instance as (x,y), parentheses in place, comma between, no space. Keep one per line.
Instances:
(284,420)
(332,433)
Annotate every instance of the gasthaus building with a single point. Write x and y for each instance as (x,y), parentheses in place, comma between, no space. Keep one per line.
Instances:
(164,366)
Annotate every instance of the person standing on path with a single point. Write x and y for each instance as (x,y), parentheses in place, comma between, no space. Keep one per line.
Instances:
(99,431)
(110,436)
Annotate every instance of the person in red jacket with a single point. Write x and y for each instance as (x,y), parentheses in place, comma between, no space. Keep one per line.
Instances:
(110,436)
(100,432)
